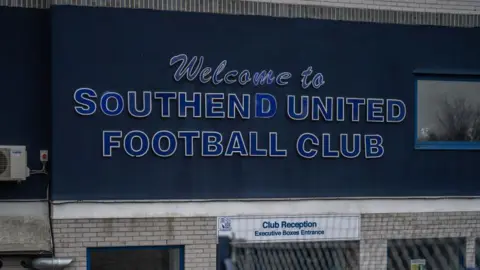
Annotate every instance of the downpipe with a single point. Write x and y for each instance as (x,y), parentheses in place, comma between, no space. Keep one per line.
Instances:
(51,263)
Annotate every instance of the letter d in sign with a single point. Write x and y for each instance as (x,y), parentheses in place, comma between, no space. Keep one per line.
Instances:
(396,111)
(266,105)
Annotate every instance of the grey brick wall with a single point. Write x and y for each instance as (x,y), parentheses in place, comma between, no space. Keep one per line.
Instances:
(470,250)
(373,254)
(460,13)
(377,228)
(73,237)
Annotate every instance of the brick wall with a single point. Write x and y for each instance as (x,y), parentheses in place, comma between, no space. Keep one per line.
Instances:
(72,237)
(377,228)
(460,13)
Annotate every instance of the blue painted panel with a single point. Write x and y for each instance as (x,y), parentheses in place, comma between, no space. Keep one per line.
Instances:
(123,50)
(25,104)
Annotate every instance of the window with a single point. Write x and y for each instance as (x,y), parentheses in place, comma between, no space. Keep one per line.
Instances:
(136,258)
(329,255)
(447,112)
(436,253)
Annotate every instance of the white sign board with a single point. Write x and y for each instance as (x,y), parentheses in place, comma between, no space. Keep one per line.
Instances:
(290,228)
(418,264)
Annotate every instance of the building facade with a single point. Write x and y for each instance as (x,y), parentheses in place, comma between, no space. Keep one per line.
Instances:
(117,184)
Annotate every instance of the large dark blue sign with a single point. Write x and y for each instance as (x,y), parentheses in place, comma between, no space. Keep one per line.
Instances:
(25,93)
(165,105)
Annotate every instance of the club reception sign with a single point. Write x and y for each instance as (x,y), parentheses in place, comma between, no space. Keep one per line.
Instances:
(290,228)
(223,107)
(217,105)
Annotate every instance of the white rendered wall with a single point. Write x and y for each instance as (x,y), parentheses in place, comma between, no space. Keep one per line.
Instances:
(82,210)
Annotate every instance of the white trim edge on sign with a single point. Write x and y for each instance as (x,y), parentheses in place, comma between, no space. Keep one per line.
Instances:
(118,209)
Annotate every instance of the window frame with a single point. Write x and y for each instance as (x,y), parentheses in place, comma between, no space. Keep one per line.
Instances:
(447,76)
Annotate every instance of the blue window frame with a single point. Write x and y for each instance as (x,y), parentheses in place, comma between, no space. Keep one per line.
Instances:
(137,254)
(447,110)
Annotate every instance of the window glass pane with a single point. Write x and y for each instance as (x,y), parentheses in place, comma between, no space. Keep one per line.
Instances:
(448,114)
(135,259)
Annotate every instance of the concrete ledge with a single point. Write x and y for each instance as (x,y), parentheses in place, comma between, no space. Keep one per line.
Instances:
(25,227)
(147,209)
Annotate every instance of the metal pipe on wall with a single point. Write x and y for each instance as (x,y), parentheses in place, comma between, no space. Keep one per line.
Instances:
(51,263)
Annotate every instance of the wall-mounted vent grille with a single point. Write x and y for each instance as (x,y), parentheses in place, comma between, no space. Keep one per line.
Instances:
(4,162)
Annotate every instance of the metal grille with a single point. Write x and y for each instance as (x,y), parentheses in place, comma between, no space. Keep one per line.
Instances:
(4,163)
(300,255)
(434,253)
(407,241)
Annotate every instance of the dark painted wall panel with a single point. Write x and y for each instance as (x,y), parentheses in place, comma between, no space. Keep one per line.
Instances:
(25,92)
(121,50)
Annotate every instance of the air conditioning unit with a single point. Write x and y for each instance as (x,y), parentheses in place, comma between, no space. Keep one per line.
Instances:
(13,163)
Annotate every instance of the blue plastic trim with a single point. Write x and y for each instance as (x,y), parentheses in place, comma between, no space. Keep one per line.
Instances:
(446,72)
